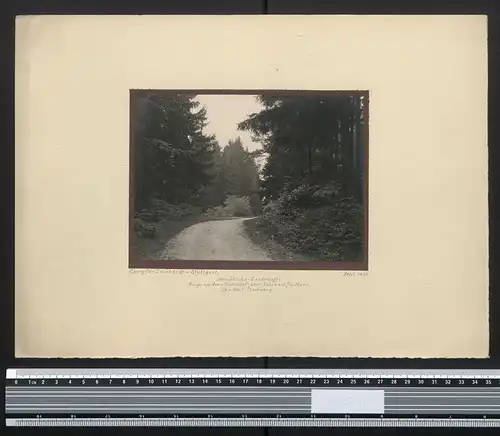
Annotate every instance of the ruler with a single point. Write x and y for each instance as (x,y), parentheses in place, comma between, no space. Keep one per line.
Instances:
(252,397)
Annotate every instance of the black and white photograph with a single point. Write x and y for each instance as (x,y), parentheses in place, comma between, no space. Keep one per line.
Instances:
(274,179)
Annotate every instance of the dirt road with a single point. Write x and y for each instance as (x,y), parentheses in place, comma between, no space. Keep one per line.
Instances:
(214,240)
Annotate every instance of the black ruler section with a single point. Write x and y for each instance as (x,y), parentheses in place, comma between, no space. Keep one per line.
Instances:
(160,394)
(264,381)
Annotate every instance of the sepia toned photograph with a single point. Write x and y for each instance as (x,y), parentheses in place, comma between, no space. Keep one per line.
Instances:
(266,180)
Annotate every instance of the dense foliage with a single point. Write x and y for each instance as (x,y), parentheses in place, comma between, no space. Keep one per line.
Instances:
(241,173)
(312,179)
(315,221)
(179,170)
(169,143)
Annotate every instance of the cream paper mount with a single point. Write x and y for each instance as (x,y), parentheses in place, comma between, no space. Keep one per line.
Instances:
(425,293)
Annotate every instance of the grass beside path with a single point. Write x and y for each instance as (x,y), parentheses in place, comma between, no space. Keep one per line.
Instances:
(259,237)
(150,248)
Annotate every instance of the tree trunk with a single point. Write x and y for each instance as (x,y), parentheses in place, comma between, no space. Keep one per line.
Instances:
(310,161)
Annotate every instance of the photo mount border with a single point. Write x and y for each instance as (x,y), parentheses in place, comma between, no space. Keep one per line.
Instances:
(311,265)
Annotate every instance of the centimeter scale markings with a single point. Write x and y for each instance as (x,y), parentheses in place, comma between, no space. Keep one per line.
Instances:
(221,397)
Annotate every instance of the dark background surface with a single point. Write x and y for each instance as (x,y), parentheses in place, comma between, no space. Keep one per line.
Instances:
(11,8)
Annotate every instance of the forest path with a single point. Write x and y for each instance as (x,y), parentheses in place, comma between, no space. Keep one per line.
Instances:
(214,240)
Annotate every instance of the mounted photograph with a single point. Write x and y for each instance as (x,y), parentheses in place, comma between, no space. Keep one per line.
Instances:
(249,180)
(309,186)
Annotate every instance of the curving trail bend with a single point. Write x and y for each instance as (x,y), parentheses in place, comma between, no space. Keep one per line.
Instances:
(214,240)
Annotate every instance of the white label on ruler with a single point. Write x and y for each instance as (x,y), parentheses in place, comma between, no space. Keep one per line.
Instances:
(348,401)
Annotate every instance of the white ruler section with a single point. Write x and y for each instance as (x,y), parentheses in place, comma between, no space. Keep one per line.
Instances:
(75,373)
